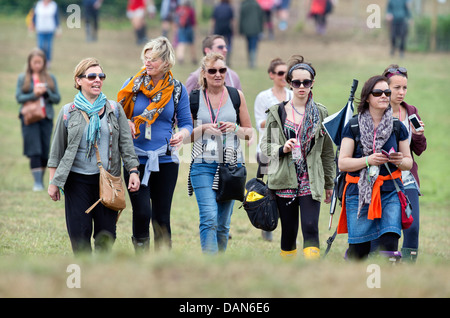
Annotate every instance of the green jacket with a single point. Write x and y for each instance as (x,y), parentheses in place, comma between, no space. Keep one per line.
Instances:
(67,138)
(320,160)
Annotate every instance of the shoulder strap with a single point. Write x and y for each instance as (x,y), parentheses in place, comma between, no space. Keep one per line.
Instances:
(354,126)
(194,102)
(236,100)
(176,94)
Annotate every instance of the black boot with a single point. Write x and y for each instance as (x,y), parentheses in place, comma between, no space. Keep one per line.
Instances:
(141,244)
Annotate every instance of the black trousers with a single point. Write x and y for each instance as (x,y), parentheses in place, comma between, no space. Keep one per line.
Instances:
(289,217)
(153,203)
(81,191)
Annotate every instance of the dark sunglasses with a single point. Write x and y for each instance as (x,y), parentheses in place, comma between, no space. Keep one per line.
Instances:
(297,83)
(397,70)
(93,76)
(213,71)
(379,92)
(279,73)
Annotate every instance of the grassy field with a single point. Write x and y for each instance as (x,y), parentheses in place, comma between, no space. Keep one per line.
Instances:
(34,247)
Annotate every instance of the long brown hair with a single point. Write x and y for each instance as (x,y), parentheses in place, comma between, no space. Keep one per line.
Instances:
(44,77)
(363,104)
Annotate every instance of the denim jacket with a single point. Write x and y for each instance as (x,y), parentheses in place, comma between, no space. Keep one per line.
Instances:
(320,160)
(67,138)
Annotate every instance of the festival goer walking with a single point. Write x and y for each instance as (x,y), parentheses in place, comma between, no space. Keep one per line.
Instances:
(398,15)
(136,12)
(222,20)
(371,207)
(91,13)
(398,83)
(36,83)
(46,25)
(186,23)
(214,43)
(264,100)
(251,19)
(155,103)
(216,125)
(73,161)
(301,160)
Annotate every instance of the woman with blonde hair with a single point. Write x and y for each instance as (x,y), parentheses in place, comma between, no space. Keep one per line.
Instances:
(219,125)
(37,84)
(155,103)
(73,161)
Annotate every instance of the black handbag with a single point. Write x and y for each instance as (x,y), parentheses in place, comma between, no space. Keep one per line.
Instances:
(261,205)
(232,177)
(231,182)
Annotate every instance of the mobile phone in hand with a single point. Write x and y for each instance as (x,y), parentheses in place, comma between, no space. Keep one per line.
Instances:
(415,122)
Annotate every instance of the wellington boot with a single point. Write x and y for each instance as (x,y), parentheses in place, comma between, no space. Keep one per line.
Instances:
(38,176)
(409,255)
(288,255)
(141,244)
(311,253)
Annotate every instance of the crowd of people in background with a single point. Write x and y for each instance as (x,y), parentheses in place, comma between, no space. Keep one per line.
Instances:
(155,113)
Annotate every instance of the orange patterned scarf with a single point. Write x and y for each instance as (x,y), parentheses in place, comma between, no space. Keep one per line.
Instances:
(158,96)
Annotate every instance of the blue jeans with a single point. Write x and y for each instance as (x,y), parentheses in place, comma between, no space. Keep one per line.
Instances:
(215,216)
(45,43)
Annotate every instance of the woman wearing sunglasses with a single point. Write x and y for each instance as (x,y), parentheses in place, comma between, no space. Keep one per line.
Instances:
(301,162)
(155,103)
(398,83)
(217,128)
(269,97)
(371,208)
(73,161)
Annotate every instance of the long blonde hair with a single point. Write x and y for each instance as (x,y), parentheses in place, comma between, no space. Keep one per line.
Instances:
(44,77)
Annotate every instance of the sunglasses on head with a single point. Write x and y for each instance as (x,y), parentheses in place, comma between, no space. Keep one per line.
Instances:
(93,76)
(398,70)
(279,73)
(379,92)
(213,71)
(297,83)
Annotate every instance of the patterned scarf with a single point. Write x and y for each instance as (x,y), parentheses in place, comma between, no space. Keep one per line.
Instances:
(308,129)
(158,96)
(93,133)
(367,132)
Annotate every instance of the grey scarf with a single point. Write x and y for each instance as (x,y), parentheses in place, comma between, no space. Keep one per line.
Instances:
(367,132)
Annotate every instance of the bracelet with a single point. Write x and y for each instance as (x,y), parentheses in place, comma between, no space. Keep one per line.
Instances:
(135,171)
(236,128)
(367,161)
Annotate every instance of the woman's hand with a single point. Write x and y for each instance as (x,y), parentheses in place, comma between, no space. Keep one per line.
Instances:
(211,129)
(396,158)
(132,128)
(53,192)
(226,126)
(134,182)
(377,159)
(177,139)
(289,145)
(415,132)
(328,194)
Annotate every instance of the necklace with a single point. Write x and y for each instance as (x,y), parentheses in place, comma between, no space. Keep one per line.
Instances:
(292,105)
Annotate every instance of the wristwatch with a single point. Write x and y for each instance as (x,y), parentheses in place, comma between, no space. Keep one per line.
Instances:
(135,171)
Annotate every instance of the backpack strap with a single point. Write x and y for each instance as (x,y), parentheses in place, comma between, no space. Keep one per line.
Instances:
(194,97)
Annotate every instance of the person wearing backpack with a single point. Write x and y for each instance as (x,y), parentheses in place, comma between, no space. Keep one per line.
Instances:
(398,83)
(301,162)
(73,165)
(371,207)
(221,119)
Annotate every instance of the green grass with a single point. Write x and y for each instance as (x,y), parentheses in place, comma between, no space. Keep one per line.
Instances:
(34,246)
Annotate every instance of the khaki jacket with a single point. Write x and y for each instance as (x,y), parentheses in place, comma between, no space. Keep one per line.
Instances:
(67,138)
(320,160)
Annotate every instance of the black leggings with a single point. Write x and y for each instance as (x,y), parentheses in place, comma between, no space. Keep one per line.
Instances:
(386,242)
(289,217)
(159,190)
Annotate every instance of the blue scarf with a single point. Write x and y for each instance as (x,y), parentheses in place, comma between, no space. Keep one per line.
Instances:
(93,132)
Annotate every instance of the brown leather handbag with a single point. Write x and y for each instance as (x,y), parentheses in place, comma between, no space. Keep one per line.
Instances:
(112,193)
(32,112)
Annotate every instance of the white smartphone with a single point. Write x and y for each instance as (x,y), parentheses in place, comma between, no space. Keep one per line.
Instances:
(415,122)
